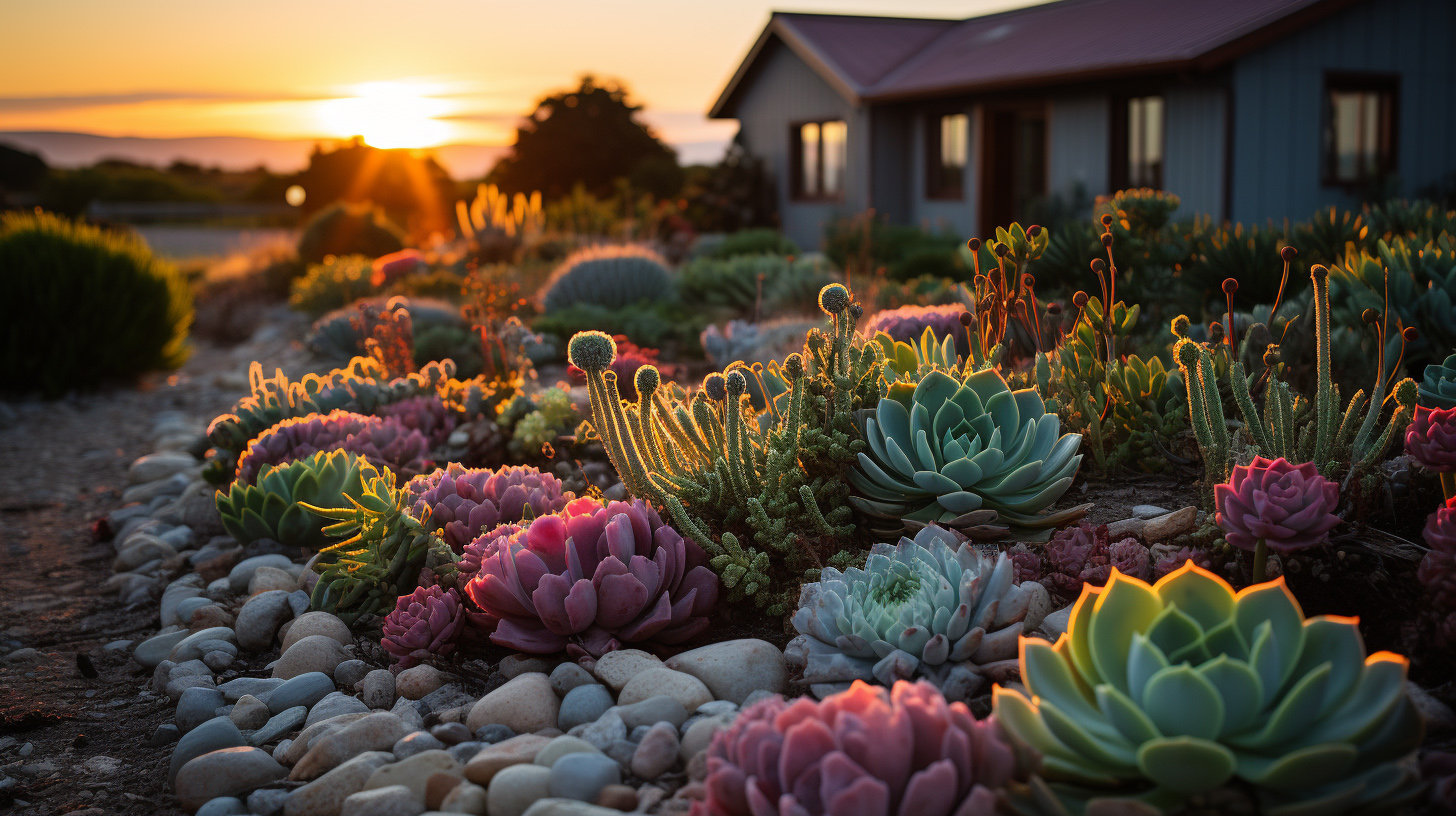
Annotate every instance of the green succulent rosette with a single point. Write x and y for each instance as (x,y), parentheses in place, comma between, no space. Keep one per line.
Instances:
(274,506)
(1157,694)
(1438,386)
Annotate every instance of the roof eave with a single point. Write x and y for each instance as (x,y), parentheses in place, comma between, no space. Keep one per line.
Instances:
(779,27)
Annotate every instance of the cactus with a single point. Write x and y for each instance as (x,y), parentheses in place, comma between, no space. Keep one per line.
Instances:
(763,493)
(611,277)
(273,508)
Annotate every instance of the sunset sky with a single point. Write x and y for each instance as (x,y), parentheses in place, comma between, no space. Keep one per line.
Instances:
(412,74)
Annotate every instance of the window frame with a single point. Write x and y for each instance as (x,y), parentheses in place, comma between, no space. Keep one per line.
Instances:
(1119,171)
(796,161)
(935,188)
(1387,86)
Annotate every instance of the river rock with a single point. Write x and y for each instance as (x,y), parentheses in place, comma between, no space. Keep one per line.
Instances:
(615,669)
(466,797)
(555,806)
(333,705)
(1172,525)
(567,676)
(279,724)
(325,796)
(376,690)
(304,689)
(312,734)
(267,801)
(418,682)
(141,549)
(515,788)
(213,735)
(515,751)
(700,733)
(513,666)
(733,669)
(270,579)
(223,806)
(191,647)
(249,713)
(183,589)
(225,772)
(155,649)
(583,704)
(242,573)
(259,687)
(155,466)
(347,674)
(318,623)
(259,619)
(196,706)
(524,704)
(374,732)
(413,772)
(395,800)
(581,776)
(409,715)
(684,688)
(417,742)
(452,733)
(315,653)
(559,747)
(657,752)
(606,730)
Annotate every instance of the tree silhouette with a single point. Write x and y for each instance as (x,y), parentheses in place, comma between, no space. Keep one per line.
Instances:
(588,136)
(411,187)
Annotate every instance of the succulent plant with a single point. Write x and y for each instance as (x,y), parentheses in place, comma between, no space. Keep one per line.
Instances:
(907,323)
(340,333)
(424,623)
(1084,553)
(461,503)
(932,606)
(1431,439)
(427,414)
(379,558)
(947,448)
(1164,564)
(591,578)
(630,358)
(1438,567)
(1276,505)
(610,276)
(384,441)
(1438,386)
(867,750)
(1160,693)
(273,508)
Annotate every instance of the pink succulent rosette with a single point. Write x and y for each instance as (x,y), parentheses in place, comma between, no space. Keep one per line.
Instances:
(384,441)
(1431,439)
(1289,507)
(425,623)
(591,578)
(1437,571)
(865,751)
(426,414)
(462,503)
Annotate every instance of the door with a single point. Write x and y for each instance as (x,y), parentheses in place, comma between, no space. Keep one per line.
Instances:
(1013,163)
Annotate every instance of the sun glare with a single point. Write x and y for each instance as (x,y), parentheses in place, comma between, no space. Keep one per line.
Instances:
(387,115)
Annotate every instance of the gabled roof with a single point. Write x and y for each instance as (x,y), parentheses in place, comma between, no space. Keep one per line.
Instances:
(884,58)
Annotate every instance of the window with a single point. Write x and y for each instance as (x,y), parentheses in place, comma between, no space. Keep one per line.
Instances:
(1137,143)
(1359,139)
(819,150)
(946,150)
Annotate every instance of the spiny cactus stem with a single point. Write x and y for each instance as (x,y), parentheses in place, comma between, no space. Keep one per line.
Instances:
(1324,407)
(1245,402)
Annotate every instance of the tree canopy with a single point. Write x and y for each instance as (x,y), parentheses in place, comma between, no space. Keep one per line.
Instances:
(588,136)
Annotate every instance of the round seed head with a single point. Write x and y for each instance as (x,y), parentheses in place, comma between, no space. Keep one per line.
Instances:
(1370,317)
(591,351)
(1028,280)
(735,383)
(1187,353)
(1406,392)
(1215,332)
(1318,272)
(1107,239)
(833,298)
(1033,230)
(1271,355)
(1107,219)
(1230,286)
(974,244)
(794,366)
(1000,249)
(1098,265)
(1054,308)
(1410,334)
(1179,326)
(856,311)
(648,378)
(967,319)
(715,386)
(1288,253)
(1080,299)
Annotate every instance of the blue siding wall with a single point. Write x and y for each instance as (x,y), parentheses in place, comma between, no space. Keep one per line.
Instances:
(1279,101)
(1077,145)
(1194,145)
(787,90)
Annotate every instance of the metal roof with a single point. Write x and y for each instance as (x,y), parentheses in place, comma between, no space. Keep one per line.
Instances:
(884,58)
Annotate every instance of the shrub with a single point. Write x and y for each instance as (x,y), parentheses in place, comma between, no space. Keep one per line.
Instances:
(733,283)
(903,251)
(333,284)
(86,306)
(662,325)
(608,276)
(759,241)
(338,334)
(348,229)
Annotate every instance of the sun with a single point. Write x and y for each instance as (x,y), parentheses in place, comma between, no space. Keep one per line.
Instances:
(387,115)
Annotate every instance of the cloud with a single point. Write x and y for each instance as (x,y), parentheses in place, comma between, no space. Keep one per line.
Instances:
(59,103)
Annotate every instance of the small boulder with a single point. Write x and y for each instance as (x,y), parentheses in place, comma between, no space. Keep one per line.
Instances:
(374,732)
(614,669)
(318,623)
(516,788)
(524,704)
(684,688)
(225,772)
(376,690)
(395,800)
(414,683)
(315,653)
(733,669)
(258,621)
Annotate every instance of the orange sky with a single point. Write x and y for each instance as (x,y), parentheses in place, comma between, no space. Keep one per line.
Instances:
(404,74)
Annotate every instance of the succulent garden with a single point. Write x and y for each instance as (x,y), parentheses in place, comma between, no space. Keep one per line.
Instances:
(573,514)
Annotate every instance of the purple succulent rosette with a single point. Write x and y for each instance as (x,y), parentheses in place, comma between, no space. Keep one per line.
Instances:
(1085,554)
(868,750)
(384,441)
(907,323)
(1289,507)
(1437,571)
(425,623)
(1431,439)
(591,578)
(462,502)
(1168,563)
(426,414)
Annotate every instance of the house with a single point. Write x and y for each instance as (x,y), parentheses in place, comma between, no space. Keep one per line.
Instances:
(1247,109)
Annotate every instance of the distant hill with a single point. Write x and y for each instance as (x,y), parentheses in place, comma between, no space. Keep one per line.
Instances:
(65,149)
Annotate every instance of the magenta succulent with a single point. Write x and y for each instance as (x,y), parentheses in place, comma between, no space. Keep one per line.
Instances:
(1431,439)
(1166,564)
(463,503)
(1085,554)
(426,414)
(1438,567)
(591,578)
(1288,507)
(384,441)
(868,751)
(907,323)
(425,623)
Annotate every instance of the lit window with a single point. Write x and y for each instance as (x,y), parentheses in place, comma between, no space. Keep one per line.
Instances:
(821,155)
(1145,142)
(1359,128)
(947,151)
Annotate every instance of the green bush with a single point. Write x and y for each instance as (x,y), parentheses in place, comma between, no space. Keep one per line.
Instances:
(348,229)
(663,325)
(85,306)
(333,285)
(760,241)
(732,283)
(608,276)
(904,252)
